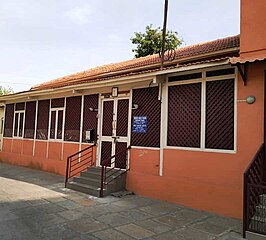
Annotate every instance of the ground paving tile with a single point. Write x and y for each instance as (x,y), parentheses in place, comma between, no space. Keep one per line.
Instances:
(210,227)
(34,205)
(72,215)
(159,209)
(86,225)
(135,231)
(154,226)
(136,214)
(111,234)
(114,219)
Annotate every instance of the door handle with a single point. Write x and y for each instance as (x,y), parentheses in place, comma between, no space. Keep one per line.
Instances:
(115,138)
(113,123)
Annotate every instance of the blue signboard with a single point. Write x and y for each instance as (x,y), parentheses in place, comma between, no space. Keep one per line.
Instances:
(139,124)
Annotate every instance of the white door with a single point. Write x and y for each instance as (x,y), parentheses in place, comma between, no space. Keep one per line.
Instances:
(114,131)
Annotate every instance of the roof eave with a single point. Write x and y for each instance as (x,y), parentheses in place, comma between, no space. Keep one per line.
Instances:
(177,61)
(34,94)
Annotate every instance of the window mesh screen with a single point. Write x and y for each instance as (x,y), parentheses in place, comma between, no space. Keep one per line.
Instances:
(30,120)
(58,102)
(21,120)
(90,120)
(220,114)
(20,106)
(52,124)
(9,116)
(108,110)
(60,116)
(122,117)
(72,119)
(184,115)
(43,119)
(148,106)
(16,124)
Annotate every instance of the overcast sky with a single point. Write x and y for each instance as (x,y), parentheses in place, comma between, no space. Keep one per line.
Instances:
(45,39)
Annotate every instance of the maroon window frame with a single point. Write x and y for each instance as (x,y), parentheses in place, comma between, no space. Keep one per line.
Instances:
(9,118)
(220,100)
(72,119)
(30,120)
(184,115)
(148,105)
(90,112)
(43,119)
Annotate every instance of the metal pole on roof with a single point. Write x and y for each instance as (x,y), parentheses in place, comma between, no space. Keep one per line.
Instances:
(164,31)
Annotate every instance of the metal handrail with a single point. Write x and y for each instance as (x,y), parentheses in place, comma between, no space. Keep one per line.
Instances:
(108,163)
(253,178)
(79,161)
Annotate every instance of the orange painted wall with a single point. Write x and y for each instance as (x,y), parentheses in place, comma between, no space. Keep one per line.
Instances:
(252,28)
(47,156)
(205,180)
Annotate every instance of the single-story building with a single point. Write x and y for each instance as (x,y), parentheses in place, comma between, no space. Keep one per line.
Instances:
(193,126)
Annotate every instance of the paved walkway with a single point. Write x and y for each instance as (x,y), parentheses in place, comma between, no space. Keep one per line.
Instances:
(34,205)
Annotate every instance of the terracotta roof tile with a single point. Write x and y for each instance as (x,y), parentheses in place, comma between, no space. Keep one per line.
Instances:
(95,74)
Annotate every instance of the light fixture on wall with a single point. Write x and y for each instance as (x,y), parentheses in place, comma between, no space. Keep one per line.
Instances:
(250,99)
(114,91)
(135,106)
(93,109)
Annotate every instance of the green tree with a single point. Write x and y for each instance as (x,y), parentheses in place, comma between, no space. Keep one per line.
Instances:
(6,90)
(150,42)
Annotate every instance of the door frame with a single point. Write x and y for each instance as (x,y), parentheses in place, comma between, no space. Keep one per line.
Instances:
(101,138)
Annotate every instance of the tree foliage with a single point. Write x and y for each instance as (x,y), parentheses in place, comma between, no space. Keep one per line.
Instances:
(150,42)
(6,90)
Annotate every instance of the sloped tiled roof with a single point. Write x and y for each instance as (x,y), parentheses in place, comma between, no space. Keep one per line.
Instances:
(134,65)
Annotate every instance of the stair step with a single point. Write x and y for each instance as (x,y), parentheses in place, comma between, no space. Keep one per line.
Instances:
(94,169)
(97,175)
(98,170)
(88,181)
(84,188)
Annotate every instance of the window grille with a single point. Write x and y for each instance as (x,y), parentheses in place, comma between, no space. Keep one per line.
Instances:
(90,112)
(30,120)
(186,122)
(185,77)
(220,72)
(108,114)
(220,114)
(72,121)
(9,116)
(184,115)
(150,107)
(20,106)
(57,103)
(43,119)
(122,118)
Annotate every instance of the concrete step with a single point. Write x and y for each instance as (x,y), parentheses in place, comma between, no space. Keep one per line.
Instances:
(98,170)
(97,175)
(88,181)
(84,188)
(94,169)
